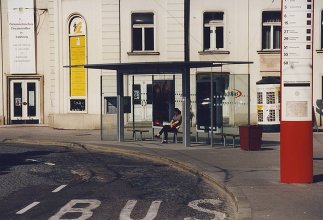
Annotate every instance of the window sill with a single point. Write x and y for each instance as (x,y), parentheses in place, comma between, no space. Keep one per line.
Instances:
(143,53)
(319,51)
(211,52)
(268,51)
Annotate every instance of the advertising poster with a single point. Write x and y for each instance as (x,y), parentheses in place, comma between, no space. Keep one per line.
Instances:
(163,101)
(78,74)
(21,23)
(203,103)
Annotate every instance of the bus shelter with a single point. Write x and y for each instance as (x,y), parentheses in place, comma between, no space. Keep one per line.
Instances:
(181,71)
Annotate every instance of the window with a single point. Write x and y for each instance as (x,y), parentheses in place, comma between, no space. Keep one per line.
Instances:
(143,32)
(213,31)
(259,98)
(271,30)
(271,116)
(270,97)
(110,103)
(260,115)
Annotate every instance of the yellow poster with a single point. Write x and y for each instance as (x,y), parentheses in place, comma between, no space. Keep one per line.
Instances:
(78,74)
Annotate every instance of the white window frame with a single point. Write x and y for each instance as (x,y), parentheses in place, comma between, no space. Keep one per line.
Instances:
(272,25)
(213,25)
(143,27)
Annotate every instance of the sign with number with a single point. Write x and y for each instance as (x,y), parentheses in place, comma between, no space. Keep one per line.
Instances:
(296,63)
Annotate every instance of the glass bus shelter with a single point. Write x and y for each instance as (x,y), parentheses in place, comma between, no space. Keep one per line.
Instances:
(141,97)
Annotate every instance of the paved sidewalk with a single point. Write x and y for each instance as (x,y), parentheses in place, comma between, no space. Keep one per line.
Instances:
(252,177)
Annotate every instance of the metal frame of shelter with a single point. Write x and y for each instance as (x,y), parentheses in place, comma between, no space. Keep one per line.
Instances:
(178,67)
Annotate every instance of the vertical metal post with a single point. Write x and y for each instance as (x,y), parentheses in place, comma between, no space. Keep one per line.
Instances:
(248,98)
(2,68)
(152,123)
(101,117)
(249,63)
(211,107)
(120,113)
(186,76)
(133,102)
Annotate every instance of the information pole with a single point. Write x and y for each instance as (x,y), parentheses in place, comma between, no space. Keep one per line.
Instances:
(296,134)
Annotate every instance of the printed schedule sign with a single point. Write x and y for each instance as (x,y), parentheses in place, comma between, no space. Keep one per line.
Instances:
(296,64)
(78,74)
(21,36)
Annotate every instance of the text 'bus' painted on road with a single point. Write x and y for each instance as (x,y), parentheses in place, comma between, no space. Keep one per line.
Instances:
(89,205)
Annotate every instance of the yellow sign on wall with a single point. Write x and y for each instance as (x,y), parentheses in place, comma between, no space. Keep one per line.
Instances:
(78,77)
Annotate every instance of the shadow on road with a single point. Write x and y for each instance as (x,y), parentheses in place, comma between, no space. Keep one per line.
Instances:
(9,160)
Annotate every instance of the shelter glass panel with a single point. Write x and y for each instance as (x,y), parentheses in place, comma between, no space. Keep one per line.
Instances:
(225,100)
(159,94)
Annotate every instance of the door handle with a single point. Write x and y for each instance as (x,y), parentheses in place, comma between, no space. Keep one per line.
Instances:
(24,103)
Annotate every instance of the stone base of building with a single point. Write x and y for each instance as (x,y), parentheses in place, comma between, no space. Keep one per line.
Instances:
(74,121)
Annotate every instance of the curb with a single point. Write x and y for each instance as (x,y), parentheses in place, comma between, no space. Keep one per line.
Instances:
(241,203)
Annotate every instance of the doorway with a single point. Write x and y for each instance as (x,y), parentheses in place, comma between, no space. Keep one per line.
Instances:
(141,88)
(24,102)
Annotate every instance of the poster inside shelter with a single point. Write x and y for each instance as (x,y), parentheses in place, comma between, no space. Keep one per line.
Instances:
(21,24)
(163,101)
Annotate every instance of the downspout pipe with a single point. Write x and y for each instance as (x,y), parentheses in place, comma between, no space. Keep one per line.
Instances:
(2,69)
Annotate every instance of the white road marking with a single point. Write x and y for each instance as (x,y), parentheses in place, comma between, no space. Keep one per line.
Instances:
(151,214)
(32,205)
(59,188)
(195,205)
(85,212)
(32,160)
(50,164)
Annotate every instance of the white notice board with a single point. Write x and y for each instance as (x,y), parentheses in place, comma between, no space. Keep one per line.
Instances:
(21,26)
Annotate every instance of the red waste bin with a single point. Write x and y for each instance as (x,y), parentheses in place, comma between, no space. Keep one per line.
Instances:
(250,137)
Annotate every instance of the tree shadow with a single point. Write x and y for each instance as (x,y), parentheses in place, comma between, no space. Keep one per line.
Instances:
(9,160)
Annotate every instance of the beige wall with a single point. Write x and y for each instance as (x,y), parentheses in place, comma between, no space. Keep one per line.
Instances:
(242,43)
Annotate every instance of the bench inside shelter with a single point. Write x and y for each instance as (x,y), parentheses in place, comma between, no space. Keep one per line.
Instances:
(224,135)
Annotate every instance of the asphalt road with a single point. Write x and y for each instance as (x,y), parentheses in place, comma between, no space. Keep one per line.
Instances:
(55,182)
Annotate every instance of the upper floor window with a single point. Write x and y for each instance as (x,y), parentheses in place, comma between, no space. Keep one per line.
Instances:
(213,31)
(143,32)
(271,30)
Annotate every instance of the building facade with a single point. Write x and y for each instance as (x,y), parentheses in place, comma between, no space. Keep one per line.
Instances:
(37,88)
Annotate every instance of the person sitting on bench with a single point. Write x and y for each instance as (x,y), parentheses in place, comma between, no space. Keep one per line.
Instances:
(172,127)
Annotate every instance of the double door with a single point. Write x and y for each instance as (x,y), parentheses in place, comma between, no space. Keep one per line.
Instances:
(141,88)
(24,102)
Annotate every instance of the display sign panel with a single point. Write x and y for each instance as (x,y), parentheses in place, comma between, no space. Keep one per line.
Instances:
(297,52)
(21,24)
(78,74)
(163,101)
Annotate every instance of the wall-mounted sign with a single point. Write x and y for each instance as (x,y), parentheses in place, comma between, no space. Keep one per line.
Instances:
(297,46)
(77,26)
(21,36)
(77,105)
(77,43)
(78,74)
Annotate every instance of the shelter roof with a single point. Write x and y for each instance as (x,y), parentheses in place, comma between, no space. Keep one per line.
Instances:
(160,67)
